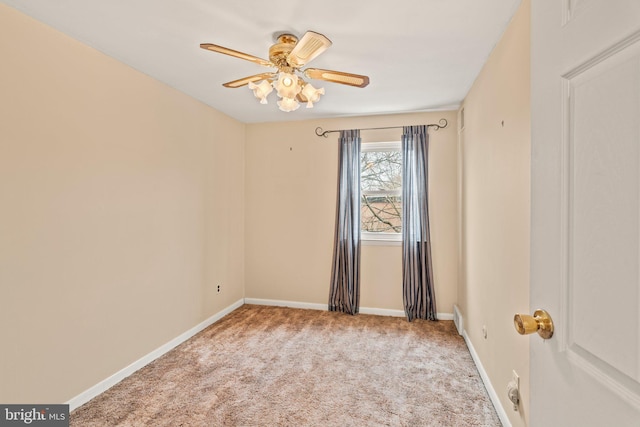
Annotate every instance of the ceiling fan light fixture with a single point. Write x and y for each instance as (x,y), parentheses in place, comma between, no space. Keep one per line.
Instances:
(261,90)
(288,104)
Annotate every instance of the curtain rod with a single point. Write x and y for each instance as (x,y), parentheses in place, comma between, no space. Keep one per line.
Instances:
(442,123)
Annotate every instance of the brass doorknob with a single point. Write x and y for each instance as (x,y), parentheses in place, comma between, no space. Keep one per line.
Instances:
(540,322)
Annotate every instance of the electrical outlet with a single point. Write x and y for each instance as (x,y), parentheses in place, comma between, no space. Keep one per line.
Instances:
(484,331)
(218,288)
(513,390)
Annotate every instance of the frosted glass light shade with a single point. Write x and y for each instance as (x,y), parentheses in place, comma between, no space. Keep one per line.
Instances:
(261,90)
(287,85)
(312,94)
(288,104)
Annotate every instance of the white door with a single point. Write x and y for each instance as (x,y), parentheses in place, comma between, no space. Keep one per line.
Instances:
(585,222)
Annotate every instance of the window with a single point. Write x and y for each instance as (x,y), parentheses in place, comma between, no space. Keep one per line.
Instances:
(381,191)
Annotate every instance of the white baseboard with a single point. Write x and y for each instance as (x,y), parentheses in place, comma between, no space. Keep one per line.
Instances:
(457,319)
(382,312)
(280,303)
(104,385)
(502,414)
(316,306)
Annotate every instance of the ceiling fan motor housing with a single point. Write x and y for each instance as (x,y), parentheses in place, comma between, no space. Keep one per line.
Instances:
(279,52)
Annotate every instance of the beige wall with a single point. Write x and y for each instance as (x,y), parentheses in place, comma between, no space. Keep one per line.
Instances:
(121,207)
(290,212)
(495,202)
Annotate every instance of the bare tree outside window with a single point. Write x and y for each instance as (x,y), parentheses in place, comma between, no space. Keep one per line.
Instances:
(381,182)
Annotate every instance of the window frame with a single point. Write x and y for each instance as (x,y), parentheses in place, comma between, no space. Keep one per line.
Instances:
(379,238)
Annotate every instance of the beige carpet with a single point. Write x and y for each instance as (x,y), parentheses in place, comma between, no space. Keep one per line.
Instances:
(275,366)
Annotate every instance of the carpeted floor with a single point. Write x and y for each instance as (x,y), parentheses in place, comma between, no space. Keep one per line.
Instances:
(276,366)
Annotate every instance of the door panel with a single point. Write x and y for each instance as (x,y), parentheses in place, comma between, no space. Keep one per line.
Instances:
(603,223)
(585,242)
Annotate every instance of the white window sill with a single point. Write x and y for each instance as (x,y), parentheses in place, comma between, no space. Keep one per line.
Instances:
(381,239)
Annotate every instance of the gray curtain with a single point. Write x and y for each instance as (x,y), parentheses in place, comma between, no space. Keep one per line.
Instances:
(417,272)
(344,294)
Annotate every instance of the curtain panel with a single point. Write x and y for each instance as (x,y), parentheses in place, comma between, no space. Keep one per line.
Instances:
(417,271)
(344,294)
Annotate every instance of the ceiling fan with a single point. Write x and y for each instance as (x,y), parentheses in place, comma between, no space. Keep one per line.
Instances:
(288,55)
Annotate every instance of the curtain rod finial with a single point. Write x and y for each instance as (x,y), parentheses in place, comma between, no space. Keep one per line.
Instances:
(320,132)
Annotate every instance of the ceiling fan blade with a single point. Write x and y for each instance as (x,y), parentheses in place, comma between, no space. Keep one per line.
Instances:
(235,53)
(308,47)
(356,80)
(246,80)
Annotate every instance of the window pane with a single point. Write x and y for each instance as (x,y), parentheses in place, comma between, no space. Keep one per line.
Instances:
(381,214)
(381,180)
(381,170)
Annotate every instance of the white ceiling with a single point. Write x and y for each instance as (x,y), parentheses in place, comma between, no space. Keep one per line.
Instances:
(419,54)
